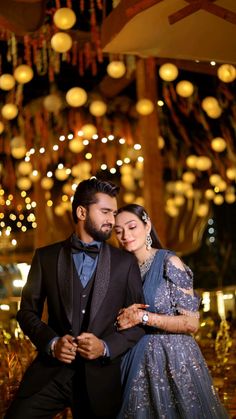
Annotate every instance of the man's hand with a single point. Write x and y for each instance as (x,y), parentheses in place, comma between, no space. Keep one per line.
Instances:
(130,316)
(89,346)
(65,349)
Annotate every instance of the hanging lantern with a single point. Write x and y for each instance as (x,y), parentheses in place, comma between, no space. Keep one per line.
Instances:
(189,177)
(89,130)
(23,74)
(209,194)
(214,113)
(214,179)
(76,145)
(222,185)
(210,103)
(61,42)
(172,211)
(7,82)
(47,183)
(59,210)
(128,197)
(116,69)
(24,183)
(64,18)
(230,197)
(218,199)
(226,73)
(35,175)
(203,163)
(191,161)
(179,200)
(184,88)
(1,127)
(76,96)
(9,111)
(144,106)
(52,103)
(202,210)
(18,148)
(168,72)
(61,173)
(231,173)
(218,144)
(98,108)
(25,168)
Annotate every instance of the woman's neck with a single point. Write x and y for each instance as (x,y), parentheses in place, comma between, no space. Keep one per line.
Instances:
(143,254)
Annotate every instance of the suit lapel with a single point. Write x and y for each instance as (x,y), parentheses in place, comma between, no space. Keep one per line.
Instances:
(65,278)
(101,281)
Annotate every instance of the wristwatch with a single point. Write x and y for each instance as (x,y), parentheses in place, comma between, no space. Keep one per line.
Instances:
(145,319)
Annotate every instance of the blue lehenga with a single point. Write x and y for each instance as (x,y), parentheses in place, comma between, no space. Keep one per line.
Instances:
(165,375)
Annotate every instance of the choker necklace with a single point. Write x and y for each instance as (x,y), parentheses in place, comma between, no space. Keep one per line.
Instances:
(144,266)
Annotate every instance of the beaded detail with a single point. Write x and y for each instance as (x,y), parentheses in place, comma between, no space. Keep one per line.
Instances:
(144,266)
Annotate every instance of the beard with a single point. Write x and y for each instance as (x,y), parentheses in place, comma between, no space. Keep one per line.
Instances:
(98,235)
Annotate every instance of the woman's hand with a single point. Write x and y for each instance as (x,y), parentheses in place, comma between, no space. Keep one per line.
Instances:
(130,316)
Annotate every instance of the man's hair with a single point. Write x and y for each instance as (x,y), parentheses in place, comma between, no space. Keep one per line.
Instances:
(86,191)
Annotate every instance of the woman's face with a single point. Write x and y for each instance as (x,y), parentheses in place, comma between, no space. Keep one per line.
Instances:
(131,232)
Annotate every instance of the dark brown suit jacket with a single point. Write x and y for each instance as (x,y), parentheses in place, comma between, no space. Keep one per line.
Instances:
(117,284)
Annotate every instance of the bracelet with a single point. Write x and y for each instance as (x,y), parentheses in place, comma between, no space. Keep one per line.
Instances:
(52,349)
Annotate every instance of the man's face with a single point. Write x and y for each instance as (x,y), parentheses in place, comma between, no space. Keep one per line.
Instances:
(100,217)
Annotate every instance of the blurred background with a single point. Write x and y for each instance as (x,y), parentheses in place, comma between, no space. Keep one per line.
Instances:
(139,93)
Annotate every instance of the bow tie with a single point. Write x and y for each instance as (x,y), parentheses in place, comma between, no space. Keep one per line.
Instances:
(90,250)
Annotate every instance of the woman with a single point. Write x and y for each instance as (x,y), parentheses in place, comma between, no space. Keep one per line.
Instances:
(165,375)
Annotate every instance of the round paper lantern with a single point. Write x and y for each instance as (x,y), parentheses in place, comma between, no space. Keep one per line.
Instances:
(59,210)
(202,210)
(214,179)
(209,194)
(47,183)
(218,199)
(76,96)
(18,148)
(89,130)
(52,103)
(1,127)
(222,185)
(189,177)
(98,108)
(210,103)
(214,113)
(23,74)
(179,200)
(61,173)
(144,106)
(226,73)
(76,145)
(168,72)
(67,189)
(24,183)
(116,69)
(231,173)
(35,175)
(7,82)
(64,18)
(230,197)
(203,163)
(189,193)
(191,161)
(128,197)
(25,168)
(172,211)
(9,111)
(85,168)
(184,88)
(218,144)
(61,42)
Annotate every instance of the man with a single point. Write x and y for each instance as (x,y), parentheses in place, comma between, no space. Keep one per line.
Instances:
(86,282)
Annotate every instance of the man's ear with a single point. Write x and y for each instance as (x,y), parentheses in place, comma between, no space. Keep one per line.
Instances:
(81,213)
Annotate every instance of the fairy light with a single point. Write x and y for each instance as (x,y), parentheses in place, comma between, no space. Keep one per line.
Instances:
(49,203)
(126,160)
(1,215)
(62,138)
(14,242)
(137,146)
(119,162)
(70,136)
(27,158)
(23,194)
(88,156)
(24,229)
(60,166)
(49,174)
(55,147)
(8,202)
(110,137)
(85,142)
(160,103)
(28,206)
(140,159)
(103,166)
(21,217)
(113,170)
(64,198)
(27,200)
(104,140)
(42,150)
(34,225)
(80,133)
(122,141)
(95,137)
(18,224)
(33,204)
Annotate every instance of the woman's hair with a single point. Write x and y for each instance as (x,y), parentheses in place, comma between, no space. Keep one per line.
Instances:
(142,214)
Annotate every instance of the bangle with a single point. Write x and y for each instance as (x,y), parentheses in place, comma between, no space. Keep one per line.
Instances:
(52,349)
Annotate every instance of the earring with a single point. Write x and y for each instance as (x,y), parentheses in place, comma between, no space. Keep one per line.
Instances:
(148,241)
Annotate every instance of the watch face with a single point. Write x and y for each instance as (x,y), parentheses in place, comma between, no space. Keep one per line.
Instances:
(145,318)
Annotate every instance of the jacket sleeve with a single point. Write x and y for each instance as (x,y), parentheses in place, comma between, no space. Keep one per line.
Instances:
(31,308)
(119,342)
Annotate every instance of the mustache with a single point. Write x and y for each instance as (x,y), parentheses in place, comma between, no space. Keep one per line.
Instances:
(107,225)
